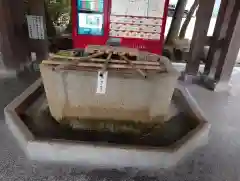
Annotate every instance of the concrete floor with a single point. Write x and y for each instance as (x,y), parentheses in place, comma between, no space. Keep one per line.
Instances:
(218,161)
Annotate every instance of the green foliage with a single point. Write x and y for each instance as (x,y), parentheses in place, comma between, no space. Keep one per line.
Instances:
(59,11)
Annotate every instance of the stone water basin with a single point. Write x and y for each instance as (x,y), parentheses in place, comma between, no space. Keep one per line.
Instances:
(44,139)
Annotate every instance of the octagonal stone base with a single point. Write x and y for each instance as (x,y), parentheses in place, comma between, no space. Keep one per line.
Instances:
(103,154)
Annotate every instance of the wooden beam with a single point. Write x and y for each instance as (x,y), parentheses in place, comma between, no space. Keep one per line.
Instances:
(203,18)
(214,44)
(231,43)
(222,58)
(14,44)
(67,64)
(176,22)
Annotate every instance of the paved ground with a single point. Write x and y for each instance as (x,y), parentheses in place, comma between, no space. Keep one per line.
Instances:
(218,161)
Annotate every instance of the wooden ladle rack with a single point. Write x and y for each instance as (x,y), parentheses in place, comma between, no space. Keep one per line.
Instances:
(107,57)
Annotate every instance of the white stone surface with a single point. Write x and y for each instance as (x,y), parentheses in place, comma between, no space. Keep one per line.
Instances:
(73,94)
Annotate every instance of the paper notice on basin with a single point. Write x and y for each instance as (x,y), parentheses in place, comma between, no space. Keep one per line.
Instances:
(102,82)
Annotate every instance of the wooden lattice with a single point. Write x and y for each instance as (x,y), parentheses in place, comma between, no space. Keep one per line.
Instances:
(107,57)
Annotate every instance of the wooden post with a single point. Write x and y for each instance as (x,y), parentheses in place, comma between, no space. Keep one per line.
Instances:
(176,22)
(223,53)
(14,44)
(203,18)
(188,19)
(218,35)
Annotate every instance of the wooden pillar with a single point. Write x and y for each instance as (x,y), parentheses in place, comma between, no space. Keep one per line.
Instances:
(203,18)
(223,53)
(176,22)
(14,44)
(188,19)
(215,43)
(36,7)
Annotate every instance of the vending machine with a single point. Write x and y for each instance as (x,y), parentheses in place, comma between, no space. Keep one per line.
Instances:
(131,23)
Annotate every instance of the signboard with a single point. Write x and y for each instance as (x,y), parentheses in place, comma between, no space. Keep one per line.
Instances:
(137,19)
(90,17)
(133,23)
(36,27)
(145,8)
(90,24)
(90,5)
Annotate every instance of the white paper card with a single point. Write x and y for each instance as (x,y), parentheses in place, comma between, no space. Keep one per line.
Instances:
(102,83)
(156,8)
(137,8)
(119,7)
(35,27)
